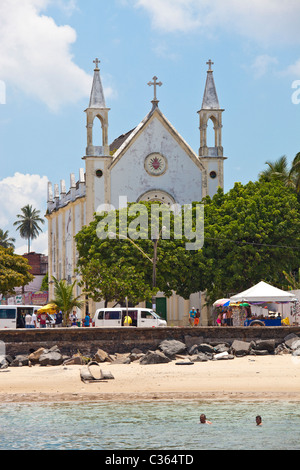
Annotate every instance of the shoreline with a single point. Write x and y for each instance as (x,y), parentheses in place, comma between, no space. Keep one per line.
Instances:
(32,398)
(254,378)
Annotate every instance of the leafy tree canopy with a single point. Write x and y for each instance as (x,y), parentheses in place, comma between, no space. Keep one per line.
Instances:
(14,271)
(252,233)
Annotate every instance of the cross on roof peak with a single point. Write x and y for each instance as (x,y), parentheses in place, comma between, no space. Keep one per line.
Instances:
(97,62)
(210,63)
(155,83)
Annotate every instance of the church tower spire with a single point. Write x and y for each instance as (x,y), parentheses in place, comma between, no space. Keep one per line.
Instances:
(98,158)
(211,114)
(97,109)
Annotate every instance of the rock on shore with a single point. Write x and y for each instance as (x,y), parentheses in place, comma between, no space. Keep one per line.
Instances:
(192,350)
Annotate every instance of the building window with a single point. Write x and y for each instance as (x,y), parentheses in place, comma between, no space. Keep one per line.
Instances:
(99,173)
(213,174)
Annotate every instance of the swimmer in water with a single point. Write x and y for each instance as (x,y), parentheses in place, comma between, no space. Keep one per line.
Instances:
(258,421)
(203,420)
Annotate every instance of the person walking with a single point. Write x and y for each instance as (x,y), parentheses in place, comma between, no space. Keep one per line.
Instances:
(197,317)
(87,320)
(192,316)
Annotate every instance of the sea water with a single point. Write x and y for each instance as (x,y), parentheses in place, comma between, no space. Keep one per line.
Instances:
(150,425)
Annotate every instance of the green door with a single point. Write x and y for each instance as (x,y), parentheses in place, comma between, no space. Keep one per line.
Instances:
(161,307)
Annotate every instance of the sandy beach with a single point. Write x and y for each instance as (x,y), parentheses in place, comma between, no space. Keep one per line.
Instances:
(249,377)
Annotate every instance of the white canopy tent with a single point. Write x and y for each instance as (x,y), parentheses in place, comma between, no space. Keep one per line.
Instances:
(263,292)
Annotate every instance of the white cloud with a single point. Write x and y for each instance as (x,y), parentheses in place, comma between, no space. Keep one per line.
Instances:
(35,53)
(262,64)
(269,21)
(16,192)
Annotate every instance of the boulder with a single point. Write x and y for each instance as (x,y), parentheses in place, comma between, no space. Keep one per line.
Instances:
(3,362)
(220,348)
(296,352)
(20,361)
(51,359)
(34,356)
(289,339)
(172,347)
(201,357)
(201,348)
(240,348)
(264,344)
(155,357)
(74,360)
(296,344)
(102,356)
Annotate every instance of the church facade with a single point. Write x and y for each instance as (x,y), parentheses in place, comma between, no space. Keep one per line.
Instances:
(149,163)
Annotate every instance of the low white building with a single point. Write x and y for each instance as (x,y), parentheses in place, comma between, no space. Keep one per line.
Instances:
(149,163)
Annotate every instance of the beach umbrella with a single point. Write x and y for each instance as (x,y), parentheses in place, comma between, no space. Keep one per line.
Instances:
(221,303)
(244,304)
(49,308)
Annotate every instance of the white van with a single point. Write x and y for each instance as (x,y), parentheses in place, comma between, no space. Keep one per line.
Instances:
(140,317)
(13,316)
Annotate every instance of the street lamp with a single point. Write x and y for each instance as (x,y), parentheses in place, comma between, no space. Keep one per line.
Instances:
(153,260)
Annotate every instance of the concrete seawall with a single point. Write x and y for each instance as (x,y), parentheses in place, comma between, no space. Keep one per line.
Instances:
(123,340)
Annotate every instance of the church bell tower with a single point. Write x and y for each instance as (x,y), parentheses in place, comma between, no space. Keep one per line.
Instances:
(97,159)
(211,153)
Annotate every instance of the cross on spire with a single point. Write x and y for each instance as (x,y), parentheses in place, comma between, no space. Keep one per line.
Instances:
(210,63)
(155,83)
(97,62)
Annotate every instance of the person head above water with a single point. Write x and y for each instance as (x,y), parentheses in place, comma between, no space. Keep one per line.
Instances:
(203,419)
(258,420)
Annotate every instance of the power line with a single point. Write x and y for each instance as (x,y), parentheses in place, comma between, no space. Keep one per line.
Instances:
(252,243)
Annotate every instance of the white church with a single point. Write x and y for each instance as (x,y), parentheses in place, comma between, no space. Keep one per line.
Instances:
(149,163)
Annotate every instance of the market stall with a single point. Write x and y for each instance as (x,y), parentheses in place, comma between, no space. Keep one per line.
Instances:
(264,295)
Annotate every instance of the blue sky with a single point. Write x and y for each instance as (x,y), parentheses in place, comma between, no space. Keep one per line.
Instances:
(47,48)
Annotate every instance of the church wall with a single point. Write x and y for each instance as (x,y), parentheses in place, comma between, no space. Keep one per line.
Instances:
(182,179)
(63,225)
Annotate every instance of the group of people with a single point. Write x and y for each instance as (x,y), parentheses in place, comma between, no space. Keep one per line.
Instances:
(194,317)
(224,318)
(36,320)
(32,320)
(203,420)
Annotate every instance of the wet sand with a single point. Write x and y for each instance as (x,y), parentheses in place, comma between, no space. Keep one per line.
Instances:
(246,378)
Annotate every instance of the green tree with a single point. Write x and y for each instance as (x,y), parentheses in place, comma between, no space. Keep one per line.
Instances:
(28,223)
(45,283)
(252,233)
(65,299)
(5,240)
(113,269)
(14,271)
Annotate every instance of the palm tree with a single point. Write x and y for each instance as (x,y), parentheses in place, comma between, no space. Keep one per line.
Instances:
(294,283)
(28,223)
(295,172)
(64,298)
(5,241)
(279,170)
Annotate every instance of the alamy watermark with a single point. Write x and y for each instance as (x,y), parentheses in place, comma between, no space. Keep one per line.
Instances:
(134,222)
(296,94)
